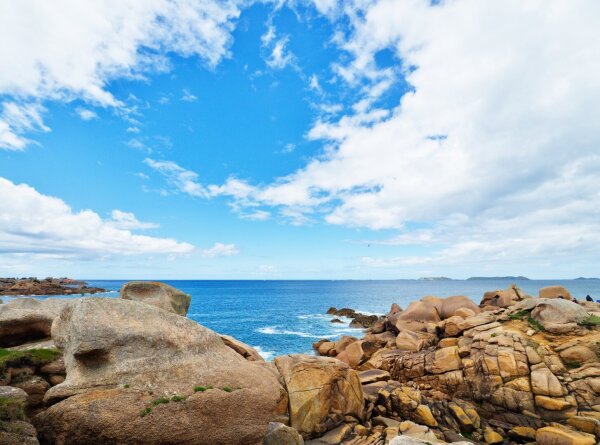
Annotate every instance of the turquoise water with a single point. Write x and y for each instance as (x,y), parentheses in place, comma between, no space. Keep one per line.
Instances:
(281,317)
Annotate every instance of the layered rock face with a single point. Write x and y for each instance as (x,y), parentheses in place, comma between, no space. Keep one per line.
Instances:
(519,369)
(137,374)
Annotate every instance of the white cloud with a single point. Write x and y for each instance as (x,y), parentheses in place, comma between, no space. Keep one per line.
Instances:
(279,55)
(187,96)
(128,221)
(33,223)
(80,47)
(220,249)
(503,108)
(180,179)
(16,119)
(85,114)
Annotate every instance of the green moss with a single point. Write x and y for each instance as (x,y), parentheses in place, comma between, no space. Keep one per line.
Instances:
(518,315)
(592,320)
(11,409)
(227,388)
(536,324)
(145,412)
(200,388)
(494,335)
(177,398)
(160,401)
(126,385)
(31,357)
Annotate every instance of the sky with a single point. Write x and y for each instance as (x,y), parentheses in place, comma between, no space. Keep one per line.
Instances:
(323,139)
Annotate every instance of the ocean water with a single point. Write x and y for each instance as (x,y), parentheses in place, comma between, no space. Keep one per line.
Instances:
(282,317)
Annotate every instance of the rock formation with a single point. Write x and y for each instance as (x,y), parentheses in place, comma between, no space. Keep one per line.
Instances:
(48,286)
(157,294)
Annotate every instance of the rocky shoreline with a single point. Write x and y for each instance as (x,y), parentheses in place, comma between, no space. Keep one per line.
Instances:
(136,370)
(47,286)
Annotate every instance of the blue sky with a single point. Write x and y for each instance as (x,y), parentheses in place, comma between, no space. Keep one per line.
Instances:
(299,139)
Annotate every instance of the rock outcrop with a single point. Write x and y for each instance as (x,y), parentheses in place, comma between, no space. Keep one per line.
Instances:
(323,392)
(157,294)
(47,286)
(141,375)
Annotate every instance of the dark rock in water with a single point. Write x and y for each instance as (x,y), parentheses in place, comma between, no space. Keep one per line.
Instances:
(336,320)
(345,312)
(363,321)
(331,311)
(48,286)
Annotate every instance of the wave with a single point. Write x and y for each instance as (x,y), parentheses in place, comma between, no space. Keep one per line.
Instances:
(272,330)
(267,355)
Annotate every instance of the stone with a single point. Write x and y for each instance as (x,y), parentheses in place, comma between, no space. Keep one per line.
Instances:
(420,312)
(502,298)
(545,383)
(321,392)
(451,326)
(550,313)
(553,403)
(23,320)
(491,437)
(522,434)
(423,415)
(121,356)
(373,375)
(386,422)
(35,387)
(157,294)
(588,425)
(246,351)
(55,367)
(452,304)
(359,352)
(280,434)
(332,437)
(446,359)
(555,292)
(555,435)
(343,343)
(413,341)
(326,348)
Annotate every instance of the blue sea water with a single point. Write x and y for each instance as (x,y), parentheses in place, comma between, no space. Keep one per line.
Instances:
(282,317)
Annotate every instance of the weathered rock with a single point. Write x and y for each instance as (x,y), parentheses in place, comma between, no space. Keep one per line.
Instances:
(413,341)
(373,375)
(555,435)
(552,313)
(246,351)
(420,312)
(121,356)
(25,319)
(491,437)
(502,298)
(451,304)
(522,433)
(280,434)
(555,292)
(321,392)
(157,294)
(359,352)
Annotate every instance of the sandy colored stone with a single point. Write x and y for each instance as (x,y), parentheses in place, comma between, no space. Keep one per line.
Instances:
(452,304)
(446,359)
(122,355)
(554,435)
(491,437)
(318,387)
(280,434)
(157,294)
(419,311)
(555,292)
(423,415)
(522,433)
(246,351)
(545,383)
(586,424)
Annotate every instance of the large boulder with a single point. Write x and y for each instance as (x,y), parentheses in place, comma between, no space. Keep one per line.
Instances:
(24,320)
(555,292)
(554,314)
(321,392)
(157,294)
(419,311)
(502,298)
(137,374)
(246,351)
(452,304)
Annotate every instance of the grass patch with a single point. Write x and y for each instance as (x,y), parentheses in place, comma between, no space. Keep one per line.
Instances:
(145,412)
(493,334)
(31,357)
(162,400)
(177,398)
(227,389)
(202,388)
(518,315)
(11,409)
(592,320)
(536,324)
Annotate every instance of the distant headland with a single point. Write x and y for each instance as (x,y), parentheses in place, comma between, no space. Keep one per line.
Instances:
(510,277)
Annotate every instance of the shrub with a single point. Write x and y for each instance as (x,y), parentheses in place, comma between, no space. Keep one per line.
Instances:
(592,320)
(494,335)
(535,324)
(126,385)
(145,412)
(518,315)
(200,388)
(227,389)
(160,401)
(177,398)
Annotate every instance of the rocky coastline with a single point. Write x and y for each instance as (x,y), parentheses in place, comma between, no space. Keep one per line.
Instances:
(136,370)
(47,286)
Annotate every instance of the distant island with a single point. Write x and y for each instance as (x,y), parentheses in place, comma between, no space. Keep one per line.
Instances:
(435,279)
(584,278)
(47,286)
(499,278)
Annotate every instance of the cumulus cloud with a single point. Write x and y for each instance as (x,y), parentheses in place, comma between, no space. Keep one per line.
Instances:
(75,55)
(502,107)
(220,249)
(34,223)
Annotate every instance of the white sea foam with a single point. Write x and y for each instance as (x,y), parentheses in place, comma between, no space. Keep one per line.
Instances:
(267,355)
(272,330)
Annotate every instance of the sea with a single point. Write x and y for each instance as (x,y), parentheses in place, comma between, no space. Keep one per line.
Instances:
(284,317)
